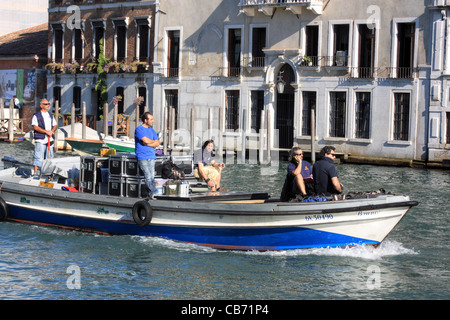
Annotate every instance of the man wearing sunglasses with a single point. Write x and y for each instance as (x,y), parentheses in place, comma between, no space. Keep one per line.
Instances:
(299,180)
(44,126)
(326,178)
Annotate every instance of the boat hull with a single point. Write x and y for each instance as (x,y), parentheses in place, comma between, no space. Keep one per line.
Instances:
(85,146)
(240,225)
(120,145)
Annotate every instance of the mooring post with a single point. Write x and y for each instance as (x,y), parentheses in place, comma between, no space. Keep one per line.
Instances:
(55,142)
(261,137)
(313,136)
(11,121)
(115,119)
(105,119)
(72,121)
(83,134)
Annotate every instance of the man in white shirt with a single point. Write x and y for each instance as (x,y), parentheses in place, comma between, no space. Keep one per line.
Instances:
(44,125)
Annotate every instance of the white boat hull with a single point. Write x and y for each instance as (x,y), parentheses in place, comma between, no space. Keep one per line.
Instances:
(237,221)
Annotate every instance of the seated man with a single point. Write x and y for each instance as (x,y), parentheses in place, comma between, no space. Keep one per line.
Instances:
(298,178)
(326,177)
(205,166)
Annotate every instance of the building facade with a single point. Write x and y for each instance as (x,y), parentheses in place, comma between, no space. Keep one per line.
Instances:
(372,72)
(362,68)
(99,50)
(438,114)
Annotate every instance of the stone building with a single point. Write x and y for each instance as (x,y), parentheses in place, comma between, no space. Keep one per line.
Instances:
(362,66)
(373,72)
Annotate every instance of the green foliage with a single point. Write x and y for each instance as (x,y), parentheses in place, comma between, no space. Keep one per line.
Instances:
(101,81)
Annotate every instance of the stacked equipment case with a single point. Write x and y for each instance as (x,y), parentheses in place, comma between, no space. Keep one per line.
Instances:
(120,175)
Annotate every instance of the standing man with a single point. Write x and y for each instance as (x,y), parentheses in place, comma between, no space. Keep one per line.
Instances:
(146,140)
(16,102)
(325,174)
(44,126)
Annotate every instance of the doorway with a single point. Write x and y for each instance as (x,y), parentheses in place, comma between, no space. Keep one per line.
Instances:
(285,108)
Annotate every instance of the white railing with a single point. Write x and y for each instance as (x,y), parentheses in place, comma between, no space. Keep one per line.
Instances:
(439,3)
(276,2)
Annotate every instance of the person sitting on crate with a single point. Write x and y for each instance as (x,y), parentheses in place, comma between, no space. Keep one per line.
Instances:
(146,140)
(205,166)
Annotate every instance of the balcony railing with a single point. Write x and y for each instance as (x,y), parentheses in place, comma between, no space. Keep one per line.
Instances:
(231,72)
(340,62)
(170,72)
(250,7)
(255,62)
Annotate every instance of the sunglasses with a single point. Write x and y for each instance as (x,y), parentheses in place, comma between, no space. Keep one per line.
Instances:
(299,154)
(45,104)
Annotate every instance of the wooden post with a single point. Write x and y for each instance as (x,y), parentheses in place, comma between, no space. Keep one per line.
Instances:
(261,137)
(55,142)
(171,118)
(243,136)
(2,109)
(221,132)
(72,122)
(83,132)
(269,134)
(115,118)
(136,121)
(313,135)
(165,130)
(105,119)
(11,121)
(192,130)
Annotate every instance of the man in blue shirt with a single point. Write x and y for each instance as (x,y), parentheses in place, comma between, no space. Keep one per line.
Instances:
(299,176)
(146,140)
(326,179)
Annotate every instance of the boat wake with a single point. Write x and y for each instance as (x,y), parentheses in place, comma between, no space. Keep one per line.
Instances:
(386,249)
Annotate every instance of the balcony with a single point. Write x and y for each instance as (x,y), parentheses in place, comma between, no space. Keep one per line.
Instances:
(440,3)
(268,7)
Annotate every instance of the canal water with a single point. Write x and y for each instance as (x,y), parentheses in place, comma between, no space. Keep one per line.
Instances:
(413,263)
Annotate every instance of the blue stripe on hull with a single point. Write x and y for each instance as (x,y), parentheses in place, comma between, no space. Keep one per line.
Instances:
(275,238)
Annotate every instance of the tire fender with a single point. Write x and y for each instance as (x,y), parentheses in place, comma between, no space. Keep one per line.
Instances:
(4,210)
(142,213)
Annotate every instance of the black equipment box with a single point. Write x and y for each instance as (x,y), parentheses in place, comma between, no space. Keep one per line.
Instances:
(91,172)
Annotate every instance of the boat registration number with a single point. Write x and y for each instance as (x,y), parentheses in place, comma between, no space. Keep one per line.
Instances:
(319,217)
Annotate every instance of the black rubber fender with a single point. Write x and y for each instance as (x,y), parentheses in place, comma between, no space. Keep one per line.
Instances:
(142,213)
(4,210)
